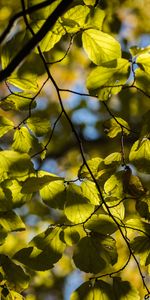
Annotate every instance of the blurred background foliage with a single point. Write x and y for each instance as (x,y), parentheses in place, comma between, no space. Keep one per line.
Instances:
(129,22)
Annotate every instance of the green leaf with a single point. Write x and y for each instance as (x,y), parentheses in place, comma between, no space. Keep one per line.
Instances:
(70,235)
(141,246)
(113,187)
(5,199)
(3,234)
(90,191)
(75,18)
(47,249)
(5,125)
(123,290)
(24,142)
(49,238)
(115,126)
(14,274)
(34,184)
(53,194)
(94,165)
(10,221)
(133,186)
(17,197)
(25,81)
(142,81)
(77,208)
(11,47)
(113,159)
(51,38)
(108,79)
(15,296)
(18,101)
(36,259)
(90,2)
(140,155)
(14,164)
(99,46)
(39,124)
(93,254)
(137,51)
(95,18)
(117,209)
(43,13)
(137,223)
(99,291)
(143,59)
(143,207)
(102,224)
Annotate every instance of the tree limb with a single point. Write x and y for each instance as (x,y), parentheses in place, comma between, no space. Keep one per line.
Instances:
(22,54)
(29,10)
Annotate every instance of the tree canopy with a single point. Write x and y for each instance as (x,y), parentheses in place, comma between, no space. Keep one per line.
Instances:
(75,150)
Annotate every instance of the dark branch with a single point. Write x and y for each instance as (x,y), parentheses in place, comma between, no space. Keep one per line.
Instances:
(23,53)
(20,14)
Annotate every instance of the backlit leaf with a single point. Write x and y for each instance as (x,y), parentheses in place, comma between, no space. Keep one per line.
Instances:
(11,221)
(18,198)
(53,194)
(99,46)
(26,81)
(11,47)
(5,199)
(113,159)
(137,223)
(138,52)
(14,274)
(70,235)
(143,60)
(94,165)
(18,101)
(45,250)
(95,17)
(141,246)
(3,234)
(78,208)
(24,142)
(51,38)
(113,187)
(142,80)
(140,155)
(143,207)
(93,254)
(113,127)
(116,209)
(108,79)
(90,2)
(101,223)
(49,238)
(5,125)
(15,296)
(90,191)
(36,259)
(99,291)
(43,13)
(14,164)
(123,290)
(77,14)
(35,183)
(39,125)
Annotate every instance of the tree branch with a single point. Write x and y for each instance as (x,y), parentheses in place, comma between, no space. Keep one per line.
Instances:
(23,53)
(29,10)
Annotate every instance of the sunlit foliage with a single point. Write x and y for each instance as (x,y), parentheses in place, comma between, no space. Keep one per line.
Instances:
(75,150)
